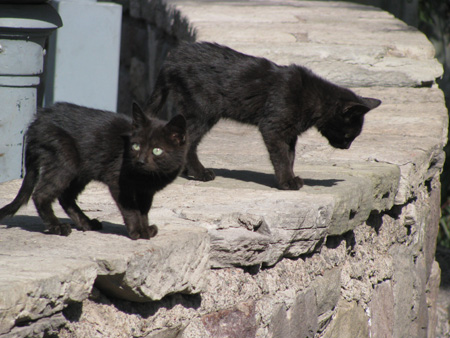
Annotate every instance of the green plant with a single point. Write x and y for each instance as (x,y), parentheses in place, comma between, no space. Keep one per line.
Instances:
(444,226)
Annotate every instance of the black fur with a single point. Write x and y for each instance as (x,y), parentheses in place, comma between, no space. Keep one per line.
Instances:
(67,146)
(207,82)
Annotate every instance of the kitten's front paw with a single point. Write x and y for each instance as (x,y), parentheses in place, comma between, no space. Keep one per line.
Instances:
(95,224)
(206,175)
(150,231)
(294,183)
(66,229)
(59,229)
(146,233)
(134,235)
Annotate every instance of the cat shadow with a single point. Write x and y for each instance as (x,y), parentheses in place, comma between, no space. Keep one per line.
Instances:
(28,223)
(327,183)
(35,224)
(247,176)
(114,229)
(268,179)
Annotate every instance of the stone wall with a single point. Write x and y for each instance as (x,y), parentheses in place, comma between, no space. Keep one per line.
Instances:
(349,255)
(378,279)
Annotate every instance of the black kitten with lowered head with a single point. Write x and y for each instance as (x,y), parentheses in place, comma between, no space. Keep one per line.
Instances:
(67,146)
(207,82)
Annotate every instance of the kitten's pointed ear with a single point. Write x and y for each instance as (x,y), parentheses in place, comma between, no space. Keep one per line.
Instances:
(370,102)
(177,129)
(360,108)
(139,118)
(179,121)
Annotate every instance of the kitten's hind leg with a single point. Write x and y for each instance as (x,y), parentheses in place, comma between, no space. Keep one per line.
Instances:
(52,182)
(58,162)
(43,203)
(68,203)
(194,168)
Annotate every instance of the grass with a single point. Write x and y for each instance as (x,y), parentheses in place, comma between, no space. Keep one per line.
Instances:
(443,238)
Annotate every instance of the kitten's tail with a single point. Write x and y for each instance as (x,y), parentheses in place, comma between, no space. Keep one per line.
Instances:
(154,106)
(23,196)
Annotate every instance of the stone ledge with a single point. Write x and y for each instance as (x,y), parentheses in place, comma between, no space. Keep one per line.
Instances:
(366,47)
(41,274)
(240,219)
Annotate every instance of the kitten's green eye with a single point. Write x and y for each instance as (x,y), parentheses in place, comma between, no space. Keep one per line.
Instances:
(157,151)
(135,147)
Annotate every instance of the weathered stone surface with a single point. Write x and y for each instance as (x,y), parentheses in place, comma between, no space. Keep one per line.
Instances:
(382,311)
(430,231)
(232,323)
(299,320)
(350,189)
(350,321)
(327,289)
(387,52)
(432,300)
(41,328)
(168,333)
(159,270)
(30,289)
(407,286)
(40,274)
(244,229)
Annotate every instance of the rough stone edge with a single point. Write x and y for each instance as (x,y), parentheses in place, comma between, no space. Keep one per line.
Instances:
(125,279)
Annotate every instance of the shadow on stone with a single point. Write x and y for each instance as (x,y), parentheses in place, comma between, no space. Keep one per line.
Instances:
(35,224)
(73,311)
(148,309)
(332,242)
(321,183)
(114,229)
(375,221)
(267,179)
(28,223)
(248,176)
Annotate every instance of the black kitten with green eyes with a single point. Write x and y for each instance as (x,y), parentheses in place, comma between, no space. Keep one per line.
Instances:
(67,146)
